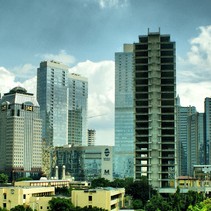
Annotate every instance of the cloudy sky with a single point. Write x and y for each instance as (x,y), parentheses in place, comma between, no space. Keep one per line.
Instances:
(85,34)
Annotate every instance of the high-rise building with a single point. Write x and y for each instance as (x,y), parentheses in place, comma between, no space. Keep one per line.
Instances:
(77,109)
(182,136)
(91,137)
(124,114)
(52,95)
(195,143)
(207,110)
(63,104)
(155,109)
(20,134)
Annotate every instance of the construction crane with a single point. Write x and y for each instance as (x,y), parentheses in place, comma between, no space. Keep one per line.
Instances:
(89,117)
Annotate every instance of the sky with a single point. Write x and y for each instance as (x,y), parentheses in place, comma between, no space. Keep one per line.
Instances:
(85,34)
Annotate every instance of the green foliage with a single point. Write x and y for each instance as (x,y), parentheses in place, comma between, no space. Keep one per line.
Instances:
(3,209)
(140,189)
(3,178)
(202,206)
(89,209)
(23,179)
(157,203)
(60,204)
(100,182)
(21,208)
(137,204)
(65,191)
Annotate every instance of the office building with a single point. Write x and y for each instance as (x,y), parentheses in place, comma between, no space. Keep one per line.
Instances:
(85,163)
(195,143)
(182,136)
(207,111)
(105,198)
(155,109)
(20,134)
(77,110)
(36,198)
(63,104)
(124,152)
(91,137)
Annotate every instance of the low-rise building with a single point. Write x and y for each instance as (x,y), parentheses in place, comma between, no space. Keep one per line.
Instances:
(35,197)
(106,198)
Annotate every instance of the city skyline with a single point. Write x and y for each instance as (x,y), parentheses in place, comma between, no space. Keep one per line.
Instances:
(61,33)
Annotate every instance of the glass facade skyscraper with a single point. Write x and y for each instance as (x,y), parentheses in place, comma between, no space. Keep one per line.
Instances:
(207,110)
(124,114)
(63,104)
(182,136)
(20,134)
(77,110)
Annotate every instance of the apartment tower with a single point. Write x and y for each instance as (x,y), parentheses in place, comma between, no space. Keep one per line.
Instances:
(20,134)
(155,109)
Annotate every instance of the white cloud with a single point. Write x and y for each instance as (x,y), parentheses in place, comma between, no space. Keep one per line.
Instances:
(194,71)
(62,57)
(24,72)
(7,80)
(112,3)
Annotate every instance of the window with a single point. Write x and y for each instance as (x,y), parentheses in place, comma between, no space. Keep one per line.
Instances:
(24,196)
(90,198)
(5,196)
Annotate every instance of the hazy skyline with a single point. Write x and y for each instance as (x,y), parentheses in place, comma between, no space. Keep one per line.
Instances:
(85,34)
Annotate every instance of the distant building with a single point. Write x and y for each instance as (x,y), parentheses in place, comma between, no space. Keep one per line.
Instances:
(195,146)
(105,198)
(182,136)
(35,197)
(207,110)
(20,134)
(91,137)
(85,163)
(63,103)
(124,152)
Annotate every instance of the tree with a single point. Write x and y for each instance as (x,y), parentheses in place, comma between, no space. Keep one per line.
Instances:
(157,203)
(21,208)
(137,204)
(60,204)
(100,182)
(140,189)
(3,178)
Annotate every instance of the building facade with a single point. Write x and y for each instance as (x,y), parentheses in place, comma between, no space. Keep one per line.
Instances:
(63,104)
(155,109)
(182,136)
(35,197)
(91,137)
(195,145)
(77,110)
(85,163)
(124,152)
(20,134)
(207,110)
(105,198)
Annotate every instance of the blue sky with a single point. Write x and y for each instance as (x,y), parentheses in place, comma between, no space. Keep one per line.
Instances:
(85,34)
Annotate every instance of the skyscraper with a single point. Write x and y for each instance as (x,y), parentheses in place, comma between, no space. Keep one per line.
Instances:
(63,103)
(182,136)
(52,95)
(77,109)
(195,143)
(124,114)
(20,134)
(155,109)
(207,110)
